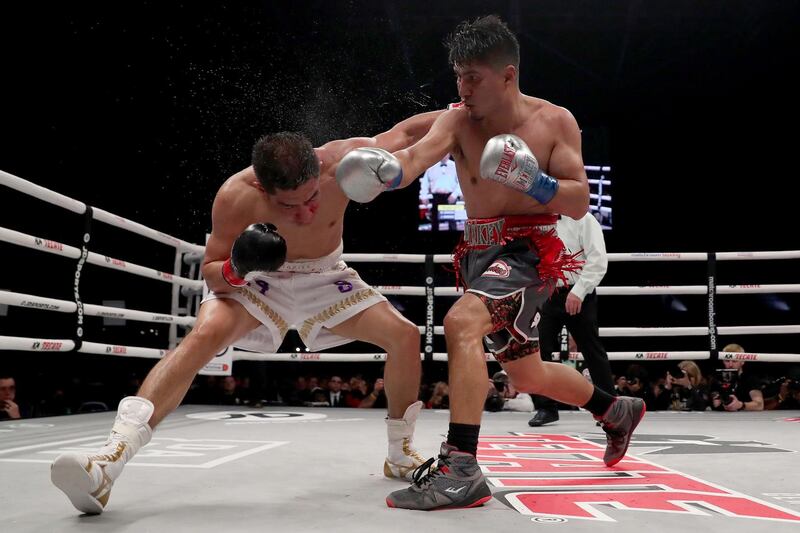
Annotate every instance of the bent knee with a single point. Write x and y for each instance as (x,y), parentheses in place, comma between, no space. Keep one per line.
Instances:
(206,340)
(403,339)
(463,323)
(532,378)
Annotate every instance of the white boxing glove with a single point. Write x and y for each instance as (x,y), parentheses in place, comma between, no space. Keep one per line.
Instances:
(364,173)
(508,160)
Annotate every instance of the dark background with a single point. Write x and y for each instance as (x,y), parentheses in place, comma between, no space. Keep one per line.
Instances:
(144,108)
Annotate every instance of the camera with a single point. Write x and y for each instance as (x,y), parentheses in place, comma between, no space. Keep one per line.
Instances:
(773,388)
(725,384)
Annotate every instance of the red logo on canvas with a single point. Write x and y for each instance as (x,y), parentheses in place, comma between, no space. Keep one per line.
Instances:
(563,477)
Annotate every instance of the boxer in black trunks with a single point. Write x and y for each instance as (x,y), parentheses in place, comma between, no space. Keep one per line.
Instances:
(519,164)
(497,261)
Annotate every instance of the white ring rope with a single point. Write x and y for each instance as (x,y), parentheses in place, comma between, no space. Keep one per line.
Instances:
(29,344)
(54,247)
(64,345)
(64,306)
(697,331)
(37,191)
(241,355)
(58,248)
(50,304)
(615,291)
(636,256)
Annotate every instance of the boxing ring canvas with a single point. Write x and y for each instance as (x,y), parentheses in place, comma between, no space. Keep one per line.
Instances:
(302,469)
(212,468)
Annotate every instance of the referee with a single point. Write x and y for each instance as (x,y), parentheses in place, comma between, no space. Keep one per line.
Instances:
(575,305)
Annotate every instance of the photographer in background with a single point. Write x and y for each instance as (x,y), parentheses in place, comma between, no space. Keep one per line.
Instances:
(502,396)
(785,392)
(686,387)
(734,389)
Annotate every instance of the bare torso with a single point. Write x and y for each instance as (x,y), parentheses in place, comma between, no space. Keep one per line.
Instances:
(485,198)
(308,241)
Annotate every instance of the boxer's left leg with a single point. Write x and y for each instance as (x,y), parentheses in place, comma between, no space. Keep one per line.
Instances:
(619,415)
(87,478)
(382,325)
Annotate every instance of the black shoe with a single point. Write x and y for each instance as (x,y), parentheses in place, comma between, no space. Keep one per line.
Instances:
(543,416)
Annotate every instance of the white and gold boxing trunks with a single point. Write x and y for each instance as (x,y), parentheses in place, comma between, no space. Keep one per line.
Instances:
(309,296)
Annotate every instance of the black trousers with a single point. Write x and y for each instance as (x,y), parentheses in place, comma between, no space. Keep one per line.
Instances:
(584,330)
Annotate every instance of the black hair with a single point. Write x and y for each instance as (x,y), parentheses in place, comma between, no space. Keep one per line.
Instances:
(284,161)
(484,40)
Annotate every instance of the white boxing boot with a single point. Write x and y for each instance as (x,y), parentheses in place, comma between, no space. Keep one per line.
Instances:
(403,459)
(87,479)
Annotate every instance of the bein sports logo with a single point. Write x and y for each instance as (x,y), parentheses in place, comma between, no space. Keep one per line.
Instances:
(498,269)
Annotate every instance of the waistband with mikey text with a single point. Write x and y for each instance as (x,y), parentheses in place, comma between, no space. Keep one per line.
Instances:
(309,266)
(498,230)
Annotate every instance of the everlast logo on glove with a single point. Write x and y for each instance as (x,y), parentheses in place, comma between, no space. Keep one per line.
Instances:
(504,167)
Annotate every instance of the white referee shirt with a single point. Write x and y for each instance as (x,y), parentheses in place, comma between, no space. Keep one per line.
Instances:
(587,235)
(441,178)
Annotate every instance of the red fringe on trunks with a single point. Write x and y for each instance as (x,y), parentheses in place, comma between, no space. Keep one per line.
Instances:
(554,261)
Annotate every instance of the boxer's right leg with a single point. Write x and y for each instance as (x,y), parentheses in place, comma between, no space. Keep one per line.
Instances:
(87,479)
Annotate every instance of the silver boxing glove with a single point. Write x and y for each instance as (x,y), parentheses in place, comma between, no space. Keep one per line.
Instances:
(364,173)
(508,160)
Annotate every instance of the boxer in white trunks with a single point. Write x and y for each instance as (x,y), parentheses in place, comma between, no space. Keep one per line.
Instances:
(272,263)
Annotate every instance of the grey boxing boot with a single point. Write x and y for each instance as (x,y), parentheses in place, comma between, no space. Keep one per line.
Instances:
(619,422)
(455,483)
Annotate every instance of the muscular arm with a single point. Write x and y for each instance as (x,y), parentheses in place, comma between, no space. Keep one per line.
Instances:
(226,226)
(440,140)
(363,172)
(566,164)
(407,132)
(756,402)
(401,135)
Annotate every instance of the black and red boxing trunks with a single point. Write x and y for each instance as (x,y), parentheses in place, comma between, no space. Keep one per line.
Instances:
(512,264)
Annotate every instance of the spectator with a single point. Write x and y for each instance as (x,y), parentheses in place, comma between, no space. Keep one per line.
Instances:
(358,391)
(376,398)
(318,398)
(686,388)
(440,398)
(621,386)
(787,395)
(300,394)
(639,385)
(335,396)
(735,389)
(9,409)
